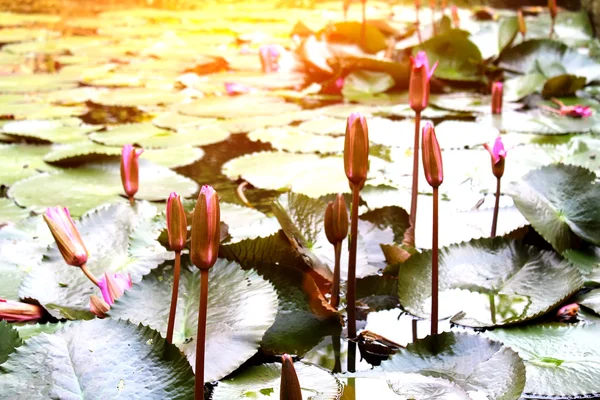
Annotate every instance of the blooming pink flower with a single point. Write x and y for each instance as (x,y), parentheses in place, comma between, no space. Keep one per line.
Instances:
(498,154)
(113,286)
(269,58)
(418,90)
(575,111)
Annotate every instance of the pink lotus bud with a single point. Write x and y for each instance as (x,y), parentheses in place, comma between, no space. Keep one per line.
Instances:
(418,91)
(497,97)
(290,386)
(15,311)
(176,223)
(432,157)
(130,169)
(568,313)
(113,286)
(552,8)
(206,229)
(356,149)
(336,220)
(498,155)
(65,234)
(233,89)
(98,306)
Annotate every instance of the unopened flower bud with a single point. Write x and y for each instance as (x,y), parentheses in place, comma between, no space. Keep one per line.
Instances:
(497,94)
(206,229)
(498,155)
(336,220)
(418,89)
(290,386)
(130,169)
(15,311)
(67,237)
(356,149)
(432,157)
(98,306)
(176,223)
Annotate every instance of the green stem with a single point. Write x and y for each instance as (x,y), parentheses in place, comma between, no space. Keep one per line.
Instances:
(552,28)
(337,366)
(351,289)
(496,208)
(414,330)
(89,274)
(201,338)
(173,309)
(415,182)
(492,308)
(335,289)
(434,266)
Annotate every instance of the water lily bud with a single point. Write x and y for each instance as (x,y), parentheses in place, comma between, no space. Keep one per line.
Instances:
(455,17)
(290,386)
(206,229)
(497,97)
(432,157)
(113,286)
(522,26)
(498,155)
(552,8)
(65,234)
(356,149)
(176,223)
(568,313)
(15,311)
(98,306)
(130,169)
(336,220)
(269,57)
(420,75)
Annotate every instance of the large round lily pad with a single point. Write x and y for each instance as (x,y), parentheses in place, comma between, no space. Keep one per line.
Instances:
(81,189)
(241,106)
(119,239)
(472,362)
(65,130)
(21,161)
(97,359)
(264,382)
(560,202)
(562,361)
(241,307)
(9,340)
(488,282)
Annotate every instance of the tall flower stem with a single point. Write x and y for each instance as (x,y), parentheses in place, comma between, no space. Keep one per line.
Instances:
(335,289)
(174,297)
(415,181)
(351,289)
(89,274)
(496,208)
(434,266)
(337,347)
(414,330)
(552,28)
(199,380)
(131,200)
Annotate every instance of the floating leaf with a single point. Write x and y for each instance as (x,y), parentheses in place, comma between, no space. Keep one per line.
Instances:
(488,282)
(27,331)
(539,122)
(91,185)
(246,223)
(472,362)
(10,213)
(591,300)
(239,301)
(263,381)
(9,340)
(138,97)
(16,83)
(50,131)
(560,202)
(119,239)
(295,140)
(100,358)
(507,32)
(238,107)
(20,161)
(560,360)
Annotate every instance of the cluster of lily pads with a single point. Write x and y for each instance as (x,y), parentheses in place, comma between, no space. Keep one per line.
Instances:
(493,295)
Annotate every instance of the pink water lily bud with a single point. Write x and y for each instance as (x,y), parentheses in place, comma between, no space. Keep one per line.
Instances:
(233,89)
(290,386)
(336,220)
(67,237)
(455,17)
(418,90)
(269,58)
(176,222)
(432,157)
(98,306)
(574,111)
(498,154)
(356,149)
(113,286)
(568,313)
(130,170)
(552,7)
(15,311)
(497,91)
(206,229)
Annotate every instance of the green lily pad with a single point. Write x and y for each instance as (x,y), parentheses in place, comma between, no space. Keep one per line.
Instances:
(507,32)
(40,111)
(23,34)
(539,122)
(563,85)
(20,161)
(424,387)
(86,187)
(295,140)
(559,202)
(591,300)
(488,282)
(365,83)
(237,107)
(66,130)
(527,57)
(325,126)
(149,136)
(464,134)
(127,244)
(458,57)
(466,102)
(560,359)
(35,83)
(98,359)
(246,223)
(472,362)
(10,213)
(239,301)
(571,28)
(264,382)
(27,330)
(79,153)
(523,85)
(251,123)
(175,121)
(9,340)
(138,97)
